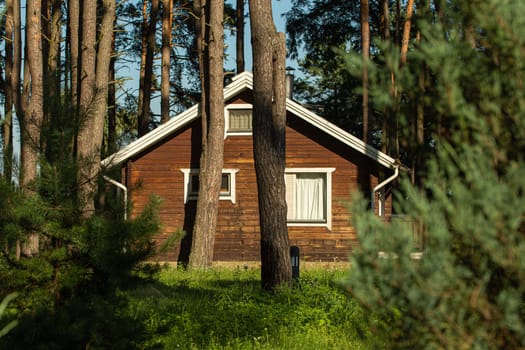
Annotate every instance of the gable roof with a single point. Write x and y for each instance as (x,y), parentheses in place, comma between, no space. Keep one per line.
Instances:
(239,83)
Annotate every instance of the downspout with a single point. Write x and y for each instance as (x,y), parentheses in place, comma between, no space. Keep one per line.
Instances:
(381,185)
(124,189)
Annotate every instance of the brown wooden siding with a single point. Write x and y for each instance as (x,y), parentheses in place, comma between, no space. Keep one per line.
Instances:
(158,171)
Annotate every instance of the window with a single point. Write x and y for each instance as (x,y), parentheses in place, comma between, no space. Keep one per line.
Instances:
(191,184)
(226,184)
(238,119)
(194,184)
(309,197)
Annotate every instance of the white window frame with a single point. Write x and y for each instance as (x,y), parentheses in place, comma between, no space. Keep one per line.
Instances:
(195,171)
(227,109)
(328,173)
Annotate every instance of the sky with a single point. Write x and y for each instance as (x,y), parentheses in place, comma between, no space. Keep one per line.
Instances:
(279,7)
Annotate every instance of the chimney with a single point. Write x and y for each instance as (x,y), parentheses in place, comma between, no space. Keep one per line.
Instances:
(289,82)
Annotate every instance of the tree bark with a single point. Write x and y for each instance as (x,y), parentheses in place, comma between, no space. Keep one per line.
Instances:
(7,129)
(440,10)
(167,6)
(74,47)
(406,32)
(210,36)
(53,61)
(17,60)
(145,111)
(365,43)
(111,142)
(239,44)
(142,71)
(93,93)
(33,116)
(85,142)
(385,36)
(213,133)
(385,20)
(419,122)
(53,106)
(397,32)
(31,123)
(102,78)
(269,127)
(45,31)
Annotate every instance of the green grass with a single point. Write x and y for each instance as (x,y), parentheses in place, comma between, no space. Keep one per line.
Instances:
(226,309)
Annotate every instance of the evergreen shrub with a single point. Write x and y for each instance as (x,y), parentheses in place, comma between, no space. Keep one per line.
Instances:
(467,291)
(68,293)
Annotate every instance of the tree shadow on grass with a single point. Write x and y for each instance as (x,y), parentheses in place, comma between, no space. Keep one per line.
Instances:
(186,312)
(195,315)
(216,313)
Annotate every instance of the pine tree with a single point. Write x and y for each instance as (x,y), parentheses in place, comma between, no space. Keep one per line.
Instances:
(467,291)
(269,135)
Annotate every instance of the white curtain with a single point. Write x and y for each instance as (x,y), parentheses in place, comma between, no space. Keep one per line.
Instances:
(310,197)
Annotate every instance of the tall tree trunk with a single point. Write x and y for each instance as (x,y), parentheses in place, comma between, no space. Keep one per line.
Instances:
(31,123)
(269,127)
(7,129)
(16,77)
(397,32)
(406,32)
(385,36)
(74,48)
(440,10)
(405,40)
(85,142)
(385,20)
(45,30)
(145,112)
(53,61)
(53,107)
(142,71)
(111,141)
(401,37)
(390,143)
(167,6)
(213,132)
(199,11)
(93,97)
(419,122)
(365,43)
(239,44)
(102,80)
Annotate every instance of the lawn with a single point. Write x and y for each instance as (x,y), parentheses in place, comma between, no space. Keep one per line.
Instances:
(224,308)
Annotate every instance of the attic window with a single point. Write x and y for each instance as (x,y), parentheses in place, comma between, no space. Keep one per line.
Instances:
(238,119)
(191,184)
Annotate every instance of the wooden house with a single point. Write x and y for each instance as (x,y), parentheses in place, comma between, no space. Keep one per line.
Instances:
(324,166)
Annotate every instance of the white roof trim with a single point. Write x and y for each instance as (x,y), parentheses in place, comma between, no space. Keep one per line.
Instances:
(340,134)
(239,83)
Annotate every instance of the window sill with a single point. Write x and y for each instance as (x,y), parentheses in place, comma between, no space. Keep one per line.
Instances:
(309,224)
